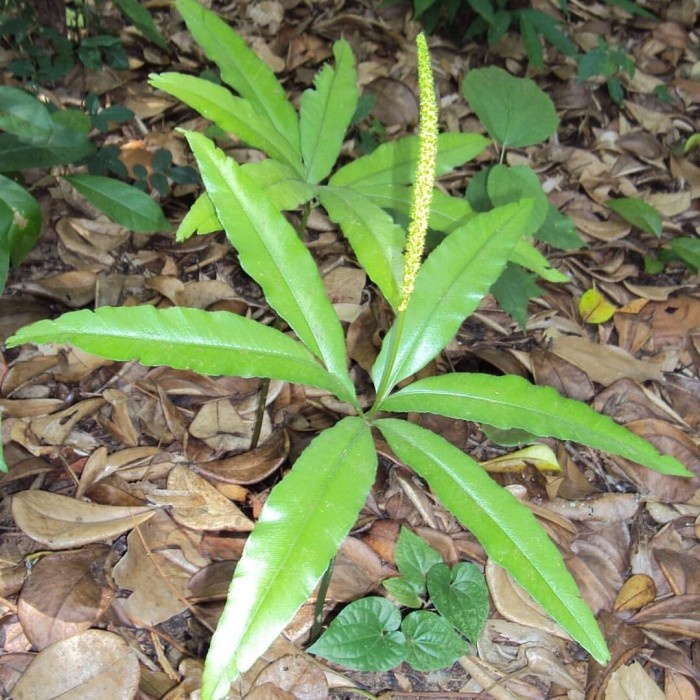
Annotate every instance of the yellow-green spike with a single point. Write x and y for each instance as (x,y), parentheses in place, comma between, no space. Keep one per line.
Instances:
(425,173)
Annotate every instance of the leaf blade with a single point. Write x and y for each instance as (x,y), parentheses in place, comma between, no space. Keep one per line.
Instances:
(242,69)
(272,254)
(376,240)
(449,286)
(304,520)
(326,113)
(507,530)
(364,636)
(515,111)
(232,114)
(124,204)
(215,342)
(512,402)
(394,162)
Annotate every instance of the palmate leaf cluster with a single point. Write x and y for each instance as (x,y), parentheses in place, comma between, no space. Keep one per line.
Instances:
(310,511)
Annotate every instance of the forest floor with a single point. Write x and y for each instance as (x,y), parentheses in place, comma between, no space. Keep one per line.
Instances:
(119,434)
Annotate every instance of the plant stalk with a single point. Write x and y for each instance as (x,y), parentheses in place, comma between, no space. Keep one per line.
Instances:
(320,600)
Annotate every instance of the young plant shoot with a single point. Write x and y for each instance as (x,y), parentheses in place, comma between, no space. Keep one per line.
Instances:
(311,510)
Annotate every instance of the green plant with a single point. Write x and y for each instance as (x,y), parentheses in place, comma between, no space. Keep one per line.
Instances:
(607,63)
(646,218)
(492,19)
(309,512)
(366,197)
(46,55)
(366,636)
(33,136)
(517,113)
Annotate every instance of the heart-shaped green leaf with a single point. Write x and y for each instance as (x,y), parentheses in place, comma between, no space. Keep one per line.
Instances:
(431,641)
(364,636)
(459,593)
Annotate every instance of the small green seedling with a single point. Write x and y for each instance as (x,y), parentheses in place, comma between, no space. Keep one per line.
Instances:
(369,635)
(607,63)
(516,113)
(313,508)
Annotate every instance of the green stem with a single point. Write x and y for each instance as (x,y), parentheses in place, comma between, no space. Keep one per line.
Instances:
(320,600)
(385,385)
(260,412)
(305,213)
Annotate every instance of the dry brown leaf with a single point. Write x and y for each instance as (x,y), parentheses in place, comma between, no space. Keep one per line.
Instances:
(632,683)
(677,617)
(24,371)
(64,594)
(515,604)
(678,687)
(668,440)
(223,428)
(203,507)
(252,466)
(60,522)
(344,286)
(29,408)
(682,571)
(16,313)
(93,665)
(296,675)
(74,289)
(55,429)
(86,245)
(132,463)
(604,364)
(357,571)
(611,230)
(12,666)
(395,102)
(156,568)
(638,590)
(569,380)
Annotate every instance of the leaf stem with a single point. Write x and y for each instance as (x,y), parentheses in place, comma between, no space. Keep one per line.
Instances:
(320,600)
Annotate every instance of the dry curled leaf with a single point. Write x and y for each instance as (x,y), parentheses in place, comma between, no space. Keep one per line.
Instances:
(60,522)
(203,507)
(637,591)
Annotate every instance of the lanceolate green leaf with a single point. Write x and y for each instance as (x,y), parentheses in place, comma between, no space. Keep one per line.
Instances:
(141,17)
(303,522)
(377,241)
(233,114)
(512,402)
(124,204)
(272,254)
(507,530)
(242,69)
(449,286)
(207,342)
(395,162)
(326,112)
